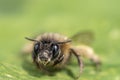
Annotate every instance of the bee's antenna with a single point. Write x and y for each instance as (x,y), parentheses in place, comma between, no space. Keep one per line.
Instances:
(31,39)
(64,42)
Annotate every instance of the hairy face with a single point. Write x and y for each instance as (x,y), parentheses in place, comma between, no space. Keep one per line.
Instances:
(45,52)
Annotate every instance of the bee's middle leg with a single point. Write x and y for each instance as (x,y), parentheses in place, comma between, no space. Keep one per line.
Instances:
(80,62)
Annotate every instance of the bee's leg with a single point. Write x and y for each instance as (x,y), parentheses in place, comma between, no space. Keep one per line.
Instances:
(96,62)
(39,66)
(43,70)
(79,60)
(88,52)
(58,60)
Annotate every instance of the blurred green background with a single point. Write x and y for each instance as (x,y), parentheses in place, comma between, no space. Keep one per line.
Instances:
(21,18)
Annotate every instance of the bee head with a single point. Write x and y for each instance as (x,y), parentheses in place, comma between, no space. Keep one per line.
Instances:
(45,51)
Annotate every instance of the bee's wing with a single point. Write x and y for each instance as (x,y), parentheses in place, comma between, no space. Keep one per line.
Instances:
(84,37)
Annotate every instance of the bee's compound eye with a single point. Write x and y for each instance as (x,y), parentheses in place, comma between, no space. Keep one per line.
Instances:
(55,50)
(37,48)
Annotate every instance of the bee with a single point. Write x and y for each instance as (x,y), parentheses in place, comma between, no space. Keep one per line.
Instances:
(53,51)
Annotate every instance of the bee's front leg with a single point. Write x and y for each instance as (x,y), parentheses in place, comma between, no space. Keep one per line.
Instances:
(80,62)
(43,70)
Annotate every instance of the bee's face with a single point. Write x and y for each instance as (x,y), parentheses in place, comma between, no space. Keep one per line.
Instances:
(46,52)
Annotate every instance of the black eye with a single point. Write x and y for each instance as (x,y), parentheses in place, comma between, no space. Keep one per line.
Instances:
(55,50)
(37,48)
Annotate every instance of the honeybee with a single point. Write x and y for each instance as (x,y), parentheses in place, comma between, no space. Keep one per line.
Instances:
(53,51)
